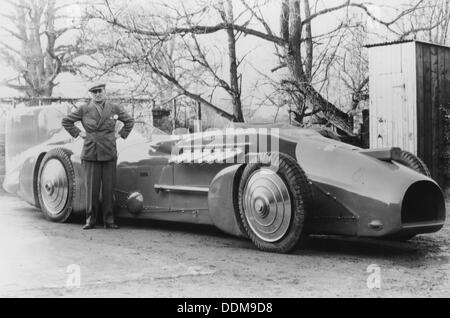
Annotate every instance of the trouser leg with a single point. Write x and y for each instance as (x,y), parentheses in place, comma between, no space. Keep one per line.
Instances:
(92,178)
(108,184)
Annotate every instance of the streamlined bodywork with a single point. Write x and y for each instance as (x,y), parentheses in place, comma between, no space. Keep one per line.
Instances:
(197,178)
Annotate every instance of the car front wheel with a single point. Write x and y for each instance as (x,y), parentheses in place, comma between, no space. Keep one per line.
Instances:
(274,197)
(56,185)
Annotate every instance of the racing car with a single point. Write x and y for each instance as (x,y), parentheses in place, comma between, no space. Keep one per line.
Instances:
(273,184)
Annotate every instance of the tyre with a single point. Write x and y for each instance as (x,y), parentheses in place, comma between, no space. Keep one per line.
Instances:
(411,161)
(56,185)
(274,197)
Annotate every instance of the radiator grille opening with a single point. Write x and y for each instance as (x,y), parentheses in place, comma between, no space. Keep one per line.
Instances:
(423,202)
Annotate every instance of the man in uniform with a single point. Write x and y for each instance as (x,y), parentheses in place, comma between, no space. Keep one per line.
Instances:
(99,154)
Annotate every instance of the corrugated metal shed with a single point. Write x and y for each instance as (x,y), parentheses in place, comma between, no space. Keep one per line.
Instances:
(409,85)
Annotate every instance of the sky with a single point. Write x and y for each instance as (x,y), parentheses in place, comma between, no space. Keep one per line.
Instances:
(260,57)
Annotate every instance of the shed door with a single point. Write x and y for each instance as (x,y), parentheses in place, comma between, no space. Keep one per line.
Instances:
(388,115)
(392,97)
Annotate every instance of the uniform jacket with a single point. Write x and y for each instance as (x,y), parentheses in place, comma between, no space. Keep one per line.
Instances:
(99,124)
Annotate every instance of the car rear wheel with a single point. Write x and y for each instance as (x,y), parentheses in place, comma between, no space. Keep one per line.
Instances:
(274,196)
(56,185)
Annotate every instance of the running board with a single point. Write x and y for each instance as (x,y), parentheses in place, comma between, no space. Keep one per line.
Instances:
(174,188)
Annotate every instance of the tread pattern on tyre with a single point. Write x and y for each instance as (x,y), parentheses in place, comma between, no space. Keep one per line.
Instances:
(35,181)
(411,161)
(62,155)
(301,197)
(236,200)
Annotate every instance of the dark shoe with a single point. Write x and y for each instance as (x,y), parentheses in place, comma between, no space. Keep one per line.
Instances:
(88,227)
(112,226)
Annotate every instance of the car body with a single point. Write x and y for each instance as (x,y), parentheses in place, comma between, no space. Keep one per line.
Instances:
(198,178)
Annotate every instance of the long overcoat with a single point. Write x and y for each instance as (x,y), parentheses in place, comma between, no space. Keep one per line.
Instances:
(99,122)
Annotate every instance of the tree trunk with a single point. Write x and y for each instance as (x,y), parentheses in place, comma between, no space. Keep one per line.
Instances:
(234,79)
(301,74)
(284,21)
(308,43)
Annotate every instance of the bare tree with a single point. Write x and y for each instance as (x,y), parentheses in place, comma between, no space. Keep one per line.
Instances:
(429,22)
(354,66)
(298,46)
(191,62)
(234,88)
(300,52)
(39,57)
(301,69)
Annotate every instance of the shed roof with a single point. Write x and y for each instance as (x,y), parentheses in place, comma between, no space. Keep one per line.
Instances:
(404,41)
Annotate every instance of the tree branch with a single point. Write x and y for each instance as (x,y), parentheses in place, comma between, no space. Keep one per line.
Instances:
(197,29)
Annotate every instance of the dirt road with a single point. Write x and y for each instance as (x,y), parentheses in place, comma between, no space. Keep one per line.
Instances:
(39,258)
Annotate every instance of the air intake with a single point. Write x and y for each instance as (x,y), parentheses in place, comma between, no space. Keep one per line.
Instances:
(423,202)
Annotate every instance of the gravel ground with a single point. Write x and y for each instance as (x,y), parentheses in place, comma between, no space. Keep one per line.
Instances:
(156,259)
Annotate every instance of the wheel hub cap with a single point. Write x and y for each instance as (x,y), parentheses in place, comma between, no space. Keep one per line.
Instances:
(267,205)
(55,186)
